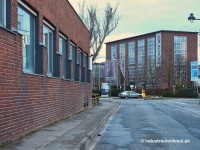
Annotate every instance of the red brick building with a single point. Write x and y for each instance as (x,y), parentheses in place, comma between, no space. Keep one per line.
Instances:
(44,65)
(161,59)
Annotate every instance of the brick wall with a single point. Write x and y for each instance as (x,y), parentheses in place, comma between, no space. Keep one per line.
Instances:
(29,101)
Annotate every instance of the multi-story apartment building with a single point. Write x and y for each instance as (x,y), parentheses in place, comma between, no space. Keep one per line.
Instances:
(161,59)
(44,65)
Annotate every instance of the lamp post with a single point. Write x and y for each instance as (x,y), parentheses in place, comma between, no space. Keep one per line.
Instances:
(174,89)
(191,18)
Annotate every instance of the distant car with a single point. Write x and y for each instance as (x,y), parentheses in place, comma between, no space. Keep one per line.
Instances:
(129,94)
(123,94)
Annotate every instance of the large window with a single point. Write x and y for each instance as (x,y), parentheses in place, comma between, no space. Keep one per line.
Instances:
(131,52)
(151,49)
(141,52)
(62,51)
(113,52)
(78,65)
(3,13)
(141,60)
(48,42)
(73,59)
(151,58)
(84,60)
(122,51)
(79,57)
(84,67)
(131,60)
(26,26)
(180,57)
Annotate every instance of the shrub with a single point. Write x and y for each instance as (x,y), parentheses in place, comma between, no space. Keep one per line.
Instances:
(96,91)
(168,94)
(115,92)
(186,92)
(157,92)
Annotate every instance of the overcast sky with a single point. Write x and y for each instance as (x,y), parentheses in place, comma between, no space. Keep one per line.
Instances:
(145,16)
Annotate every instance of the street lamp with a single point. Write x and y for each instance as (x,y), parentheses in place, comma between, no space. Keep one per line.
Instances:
(191,18)
(174,89)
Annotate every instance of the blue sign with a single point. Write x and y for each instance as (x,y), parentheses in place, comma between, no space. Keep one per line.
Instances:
(194,71)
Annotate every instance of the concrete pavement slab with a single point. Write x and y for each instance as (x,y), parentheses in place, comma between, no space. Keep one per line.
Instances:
(75,132)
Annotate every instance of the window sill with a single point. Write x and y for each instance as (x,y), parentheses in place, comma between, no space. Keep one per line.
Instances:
(29,73)
(53,77)
(85,82)
(66,79)
(5,28)
(59,53)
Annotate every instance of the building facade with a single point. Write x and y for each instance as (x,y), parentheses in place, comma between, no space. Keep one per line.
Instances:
(98,75)
(44,65)
(160,59)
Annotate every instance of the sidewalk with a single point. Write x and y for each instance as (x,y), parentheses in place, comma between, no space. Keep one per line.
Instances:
(74,133)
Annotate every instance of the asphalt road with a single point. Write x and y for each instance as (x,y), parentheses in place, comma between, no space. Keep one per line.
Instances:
(152,125)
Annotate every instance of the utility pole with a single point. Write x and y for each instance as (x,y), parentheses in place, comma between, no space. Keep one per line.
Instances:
(99,76)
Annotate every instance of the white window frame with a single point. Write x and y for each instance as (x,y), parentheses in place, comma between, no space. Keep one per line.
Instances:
(64,60)
(79,56)
(3,24)
(25,8)
(50,29)
(60,46)
(61,37)
(70,51)
(84,60)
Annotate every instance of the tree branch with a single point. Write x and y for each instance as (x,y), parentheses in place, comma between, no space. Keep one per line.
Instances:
(99,28)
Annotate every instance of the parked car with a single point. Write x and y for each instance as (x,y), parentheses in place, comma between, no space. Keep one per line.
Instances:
(129,94)
(123,94)
(135,95)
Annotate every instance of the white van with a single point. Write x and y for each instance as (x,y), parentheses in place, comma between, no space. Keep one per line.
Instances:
(105,89)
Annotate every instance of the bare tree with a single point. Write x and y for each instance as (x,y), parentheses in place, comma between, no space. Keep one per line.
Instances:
(99,27)
(179,63)
(167,72)
(151,73)
(141,75)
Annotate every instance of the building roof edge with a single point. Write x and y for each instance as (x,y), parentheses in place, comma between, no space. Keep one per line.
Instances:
(149,34)
(78,15)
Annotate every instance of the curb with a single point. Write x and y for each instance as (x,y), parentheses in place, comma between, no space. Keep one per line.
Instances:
(85,142)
